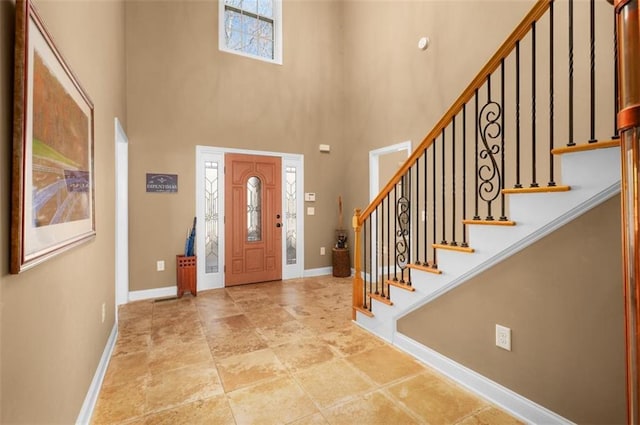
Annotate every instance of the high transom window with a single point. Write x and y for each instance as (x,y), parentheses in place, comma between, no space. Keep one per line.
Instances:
(251,28)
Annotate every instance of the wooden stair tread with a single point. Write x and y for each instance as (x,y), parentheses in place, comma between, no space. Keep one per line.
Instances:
(541,189)
(422,268)
(380,298)
(397,284)
(454,248)
(586,147)
(364,311)
(490,222)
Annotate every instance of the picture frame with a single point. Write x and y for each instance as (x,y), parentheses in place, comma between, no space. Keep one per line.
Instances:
(53,193)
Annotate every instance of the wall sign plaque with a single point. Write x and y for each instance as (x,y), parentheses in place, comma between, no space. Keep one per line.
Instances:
(162,183)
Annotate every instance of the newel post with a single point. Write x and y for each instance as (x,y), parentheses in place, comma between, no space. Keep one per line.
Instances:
(628,71)
(357,261)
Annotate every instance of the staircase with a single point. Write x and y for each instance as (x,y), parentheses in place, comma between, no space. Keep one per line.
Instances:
(530,145)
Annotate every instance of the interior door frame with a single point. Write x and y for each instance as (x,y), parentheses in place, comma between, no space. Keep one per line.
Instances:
(121,215)
(374,182)
(289,271)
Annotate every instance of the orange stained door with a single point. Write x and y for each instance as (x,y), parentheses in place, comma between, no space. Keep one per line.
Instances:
(253,223)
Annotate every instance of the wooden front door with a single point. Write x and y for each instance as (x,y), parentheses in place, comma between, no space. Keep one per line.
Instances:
(253,223)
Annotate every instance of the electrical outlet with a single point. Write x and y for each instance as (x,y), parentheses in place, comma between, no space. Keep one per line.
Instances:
(503,337)
(104,311)
(160,265)
(322,251)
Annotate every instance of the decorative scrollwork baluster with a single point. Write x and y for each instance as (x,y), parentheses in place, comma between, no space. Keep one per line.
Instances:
(489,174)
(402,232)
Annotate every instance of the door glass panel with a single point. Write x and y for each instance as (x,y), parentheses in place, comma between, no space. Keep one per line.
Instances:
(290,214)
(211,216)
(254,209)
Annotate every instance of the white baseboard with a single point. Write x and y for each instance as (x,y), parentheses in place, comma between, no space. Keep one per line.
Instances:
(147,294)
(513,403)
(322,271)
(86,411)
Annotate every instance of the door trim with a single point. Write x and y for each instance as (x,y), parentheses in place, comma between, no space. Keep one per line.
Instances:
(289,271)
(122,216)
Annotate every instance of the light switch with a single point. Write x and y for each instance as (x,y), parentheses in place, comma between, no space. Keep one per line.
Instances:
(311,211)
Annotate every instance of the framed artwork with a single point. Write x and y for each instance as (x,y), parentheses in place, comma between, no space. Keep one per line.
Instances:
(53,180)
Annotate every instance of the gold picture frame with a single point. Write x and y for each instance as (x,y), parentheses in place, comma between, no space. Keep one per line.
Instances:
(53,196)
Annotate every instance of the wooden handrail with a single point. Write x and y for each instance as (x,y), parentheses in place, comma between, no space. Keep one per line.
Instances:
(537,11)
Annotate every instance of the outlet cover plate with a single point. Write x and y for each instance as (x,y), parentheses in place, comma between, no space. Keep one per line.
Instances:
(503,337)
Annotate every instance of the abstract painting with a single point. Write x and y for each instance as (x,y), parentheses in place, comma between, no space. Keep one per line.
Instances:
(53,184)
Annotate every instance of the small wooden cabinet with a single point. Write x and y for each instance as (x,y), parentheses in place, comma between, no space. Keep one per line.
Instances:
(341,262)
(186,279)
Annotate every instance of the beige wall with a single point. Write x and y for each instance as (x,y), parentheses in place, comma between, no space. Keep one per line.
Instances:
(562,299)
(182,92)
(51,331)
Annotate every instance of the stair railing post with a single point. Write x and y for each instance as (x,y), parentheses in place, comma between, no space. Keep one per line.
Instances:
(628,69)
(358,283)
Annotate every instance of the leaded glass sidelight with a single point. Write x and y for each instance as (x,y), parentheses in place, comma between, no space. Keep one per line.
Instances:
(211,216)
(254,209)
(290,214)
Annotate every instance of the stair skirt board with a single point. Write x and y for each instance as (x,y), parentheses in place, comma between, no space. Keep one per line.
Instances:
(513,403)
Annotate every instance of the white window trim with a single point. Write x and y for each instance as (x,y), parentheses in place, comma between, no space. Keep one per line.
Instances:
(277,31)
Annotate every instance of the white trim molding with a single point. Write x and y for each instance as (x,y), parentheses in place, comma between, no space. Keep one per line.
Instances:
(89,404)
(513,403)
(149,294)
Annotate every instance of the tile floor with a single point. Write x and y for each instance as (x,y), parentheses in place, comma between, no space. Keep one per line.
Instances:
(271,353)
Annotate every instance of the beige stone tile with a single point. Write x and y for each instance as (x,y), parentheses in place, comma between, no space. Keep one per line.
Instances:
(332,382)
(217,309)
(134,310)
(126,367)
(287,332)
(131,343)
(436,399)
(121,402)
(351,340)
(326,322)
(490,416)
(234,343)
(315,419)
(298,355)
(176,355)
(223,326)
(269,317)
(174,387)
(305,311)
(385,364)
(245,369)
(371,409)
(276,401)
(214,410)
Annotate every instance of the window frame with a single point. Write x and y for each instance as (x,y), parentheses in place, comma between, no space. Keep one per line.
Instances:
(277,33)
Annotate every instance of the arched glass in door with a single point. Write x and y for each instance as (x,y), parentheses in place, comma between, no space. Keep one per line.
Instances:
(254,209)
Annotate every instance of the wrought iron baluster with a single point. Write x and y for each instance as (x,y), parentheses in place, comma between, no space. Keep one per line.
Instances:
(389,243)
(416,254)
(364,269)
(403,215)
(518,185)
(551,99)
(370,263)
(592,57)
(476,216)
(444,185)
(490,130)
(464,175)
(453,182)
(378,291)
(503,216)
(434,264)
(534,182)
(384,247)
(571,141)
(616,107)
(395,231)
(426,196)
